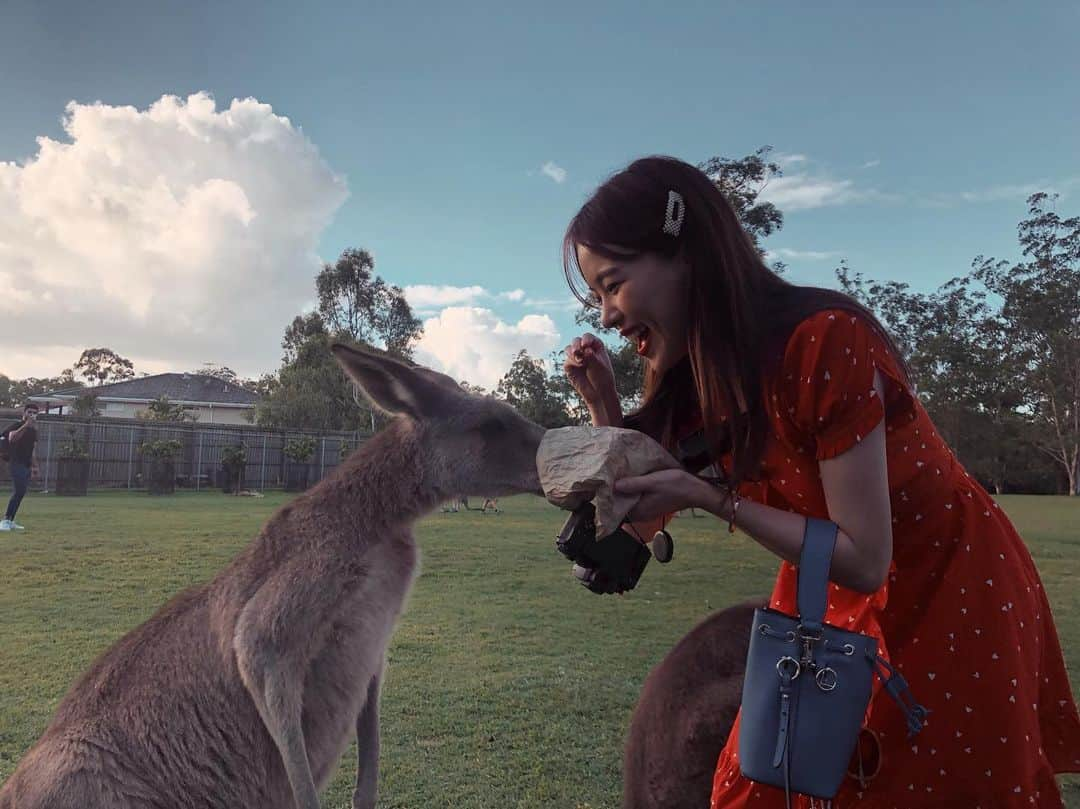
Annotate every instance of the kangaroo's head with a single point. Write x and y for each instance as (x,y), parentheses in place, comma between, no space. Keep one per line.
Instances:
(474,445)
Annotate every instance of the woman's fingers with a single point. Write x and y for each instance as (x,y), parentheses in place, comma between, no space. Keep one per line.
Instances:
(583,349)
(571,351)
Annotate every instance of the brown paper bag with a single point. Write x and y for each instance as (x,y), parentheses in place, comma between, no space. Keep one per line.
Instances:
(577,464)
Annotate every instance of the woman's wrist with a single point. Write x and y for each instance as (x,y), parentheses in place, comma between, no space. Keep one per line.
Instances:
(606,414)
(718,502)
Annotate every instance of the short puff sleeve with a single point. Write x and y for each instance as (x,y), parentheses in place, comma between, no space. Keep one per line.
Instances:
(828,380)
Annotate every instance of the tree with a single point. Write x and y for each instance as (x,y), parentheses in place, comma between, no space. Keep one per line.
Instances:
(742,181)
(560,387)
(1041,318)
(961,361)
(302,328)
(101,365)
(358,304)
(222,372)
(310,389)
(10,390)
(161,409)
(15,392)
(525,388)
(265,385)
(227,374)
(85,406)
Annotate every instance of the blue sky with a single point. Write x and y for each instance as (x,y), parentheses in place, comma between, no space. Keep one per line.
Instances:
(911,138)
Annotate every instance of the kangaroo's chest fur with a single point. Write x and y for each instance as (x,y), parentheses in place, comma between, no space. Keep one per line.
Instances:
(351,651)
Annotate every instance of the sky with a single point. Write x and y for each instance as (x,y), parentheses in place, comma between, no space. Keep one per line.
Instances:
(173,176)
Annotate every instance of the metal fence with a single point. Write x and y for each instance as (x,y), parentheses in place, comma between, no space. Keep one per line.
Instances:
(115,460)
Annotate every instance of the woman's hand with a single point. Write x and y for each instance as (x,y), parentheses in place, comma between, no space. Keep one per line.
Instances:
(669,490)
(588,367)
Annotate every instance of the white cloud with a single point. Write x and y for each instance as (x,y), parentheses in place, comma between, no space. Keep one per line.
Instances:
(178,234)
(1019,191)
(568,304)
(806,186)
(795,192)
(869,164)
(1004,192)
(790,159)
(473,344)
(555,172)
(1000,192)
(803,255)
(425,296)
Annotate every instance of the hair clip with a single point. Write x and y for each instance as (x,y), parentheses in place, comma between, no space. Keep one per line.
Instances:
(675,214)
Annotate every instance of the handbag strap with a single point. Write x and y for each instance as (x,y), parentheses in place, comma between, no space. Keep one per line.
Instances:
(815,559)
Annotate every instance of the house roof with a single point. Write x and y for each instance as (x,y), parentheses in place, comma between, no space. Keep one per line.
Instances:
(178,388)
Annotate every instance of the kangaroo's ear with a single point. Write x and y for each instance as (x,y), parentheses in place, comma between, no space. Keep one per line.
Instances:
(391,385)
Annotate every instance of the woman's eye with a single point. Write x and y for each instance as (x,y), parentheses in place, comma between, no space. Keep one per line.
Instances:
(613,287)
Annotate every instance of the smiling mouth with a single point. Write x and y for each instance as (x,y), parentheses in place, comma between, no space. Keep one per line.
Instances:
(641,338)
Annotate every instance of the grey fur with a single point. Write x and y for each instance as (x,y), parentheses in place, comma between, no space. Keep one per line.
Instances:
(245,691)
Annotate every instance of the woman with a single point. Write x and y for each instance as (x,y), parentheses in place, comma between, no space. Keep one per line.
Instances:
(807,407)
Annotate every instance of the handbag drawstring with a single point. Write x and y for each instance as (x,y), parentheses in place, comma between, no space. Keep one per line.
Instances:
(897,688)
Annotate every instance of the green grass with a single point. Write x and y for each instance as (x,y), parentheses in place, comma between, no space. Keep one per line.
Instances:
(509,685)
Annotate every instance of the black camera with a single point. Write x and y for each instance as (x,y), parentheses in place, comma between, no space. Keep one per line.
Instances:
(610,564)
(614,563)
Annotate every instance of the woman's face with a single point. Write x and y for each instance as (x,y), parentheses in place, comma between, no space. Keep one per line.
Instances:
(645,297)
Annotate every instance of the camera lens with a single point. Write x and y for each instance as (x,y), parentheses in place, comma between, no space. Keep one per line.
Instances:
(584,574)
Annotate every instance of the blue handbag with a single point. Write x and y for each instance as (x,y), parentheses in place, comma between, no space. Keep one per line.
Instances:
(807,685)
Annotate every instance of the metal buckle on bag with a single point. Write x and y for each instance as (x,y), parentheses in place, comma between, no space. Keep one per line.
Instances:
(788,668)
(808,638)
(826,678)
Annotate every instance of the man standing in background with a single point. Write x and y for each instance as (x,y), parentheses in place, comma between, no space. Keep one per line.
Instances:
(18,446)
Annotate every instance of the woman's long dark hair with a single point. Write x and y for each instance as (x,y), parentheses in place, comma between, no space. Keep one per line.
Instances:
(740,311)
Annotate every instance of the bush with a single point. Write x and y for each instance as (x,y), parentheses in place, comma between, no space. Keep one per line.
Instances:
(75,448)
(161,455)
(161,409)
(234,456)
(300,450)
(165,448)
(233,462)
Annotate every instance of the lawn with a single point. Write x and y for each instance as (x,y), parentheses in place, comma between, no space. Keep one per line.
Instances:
(509,685)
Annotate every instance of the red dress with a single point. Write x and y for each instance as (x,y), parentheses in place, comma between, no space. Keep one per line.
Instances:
(962,615)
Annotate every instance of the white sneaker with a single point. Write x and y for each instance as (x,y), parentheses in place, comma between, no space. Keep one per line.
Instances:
(17,527)
(5,525)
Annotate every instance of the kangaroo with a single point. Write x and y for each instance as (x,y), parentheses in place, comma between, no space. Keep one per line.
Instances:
(246,691)
(685,713)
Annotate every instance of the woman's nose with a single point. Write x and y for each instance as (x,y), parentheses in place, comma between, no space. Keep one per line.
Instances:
(609,316)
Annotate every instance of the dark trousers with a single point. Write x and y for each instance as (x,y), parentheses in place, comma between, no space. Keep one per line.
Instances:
(20,476)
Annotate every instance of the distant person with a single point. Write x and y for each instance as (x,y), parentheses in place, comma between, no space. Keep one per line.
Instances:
(490,504)
(18,445)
